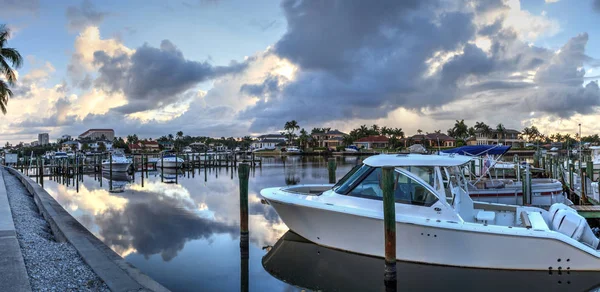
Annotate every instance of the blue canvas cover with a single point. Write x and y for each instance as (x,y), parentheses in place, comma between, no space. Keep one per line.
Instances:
(479,150)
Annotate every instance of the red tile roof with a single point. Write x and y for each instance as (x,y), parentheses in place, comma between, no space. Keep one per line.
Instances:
(380,139)
(134,146)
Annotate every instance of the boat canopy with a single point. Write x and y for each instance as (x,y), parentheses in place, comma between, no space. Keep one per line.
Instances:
(479,150)
(415,160)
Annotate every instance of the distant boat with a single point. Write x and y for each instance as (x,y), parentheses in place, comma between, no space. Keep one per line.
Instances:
(169,161)
(60,155)
(119,162)
(486,187)
(351,148)
(293,150)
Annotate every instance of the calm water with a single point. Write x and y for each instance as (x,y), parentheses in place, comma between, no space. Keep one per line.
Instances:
(185,235)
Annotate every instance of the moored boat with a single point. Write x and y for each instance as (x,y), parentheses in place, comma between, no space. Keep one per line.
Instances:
(437,222)
(119,162)
(169,161)
(487,184)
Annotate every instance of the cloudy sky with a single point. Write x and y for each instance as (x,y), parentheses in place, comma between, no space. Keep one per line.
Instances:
(232,68)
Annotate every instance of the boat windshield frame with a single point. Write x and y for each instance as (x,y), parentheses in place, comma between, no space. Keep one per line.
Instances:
(346,176)
(353,178)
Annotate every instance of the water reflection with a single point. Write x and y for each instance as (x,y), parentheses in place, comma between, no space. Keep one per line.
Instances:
(299,262)
(186,234)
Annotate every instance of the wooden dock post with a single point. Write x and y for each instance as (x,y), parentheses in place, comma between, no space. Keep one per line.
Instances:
(331,167)
(389,225)
(244,176)
(41,171)
(110,171)
(571,171)
(162,167)
(76,173)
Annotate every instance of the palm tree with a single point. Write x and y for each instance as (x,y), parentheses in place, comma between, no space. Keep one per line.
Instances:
(419,131)
(291,127)
(170,136)
(500,129)
(11,55)
(179,134)
(461,130)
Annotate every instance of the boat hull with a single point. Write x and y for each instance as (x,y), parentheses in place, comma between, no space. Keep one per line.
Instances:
(299,262)
(544,193)
(441,243)
(116,167)
(169,163)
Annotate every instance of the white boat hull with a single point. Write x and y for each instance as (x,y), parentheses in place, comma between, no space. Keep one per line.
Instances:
(169,163)
(544,193)
(435,242)
(116,167)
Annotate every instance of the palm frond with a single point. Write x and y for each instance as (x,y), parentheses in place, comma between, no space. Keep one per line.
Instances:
(5,93)
(8,72)
(12,55)
(4,34)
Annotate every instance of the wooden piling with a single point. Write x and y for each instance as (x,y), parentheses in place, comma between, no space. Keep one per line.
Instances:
(244,176)
(331,167)
(389,225)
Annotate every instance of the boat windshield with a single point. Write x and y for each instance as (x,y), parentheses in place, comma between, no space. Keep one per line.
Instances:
(346,176)
(351,179)
(426,173)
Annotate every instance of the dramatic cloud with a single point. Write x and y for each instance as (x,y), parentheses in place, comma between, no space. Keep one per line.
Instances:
(419,56)
(9,8)
(155,77)
(80,17)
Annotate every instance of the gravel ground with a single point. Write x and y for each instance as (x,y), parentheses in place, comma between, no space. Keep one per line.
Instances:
(52,266)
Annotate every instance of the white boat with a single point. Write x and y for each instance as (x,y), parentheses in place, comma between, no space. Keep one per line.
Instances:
(293,150)
(352,149)
(119,162)
(187,149)
(436,220)
(169,161)
(60,155)
(488,184)
(544,191)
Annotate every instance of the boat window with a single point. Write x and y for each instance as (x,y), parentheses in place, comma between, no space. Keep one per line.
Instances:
(353,179)
(346,176)
(426,173)
(407,190)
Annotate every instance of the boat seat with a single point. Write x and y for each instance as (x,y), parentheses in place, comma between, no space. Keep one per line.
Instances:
(485,216)
(537,221)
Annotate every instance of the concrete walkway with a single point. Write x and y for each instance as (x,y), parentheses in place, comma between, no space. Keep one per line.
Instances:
(13,275)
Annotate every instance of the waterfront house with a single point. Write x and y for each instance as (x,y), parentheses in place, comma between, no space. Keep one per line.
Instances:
(267,144)
(372,142)
(70,145)
(268,141)
(330,139)
(471,141)
(430,140)
(198,146)
(508,137)
(153,146)
(134,148)
(166,145)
